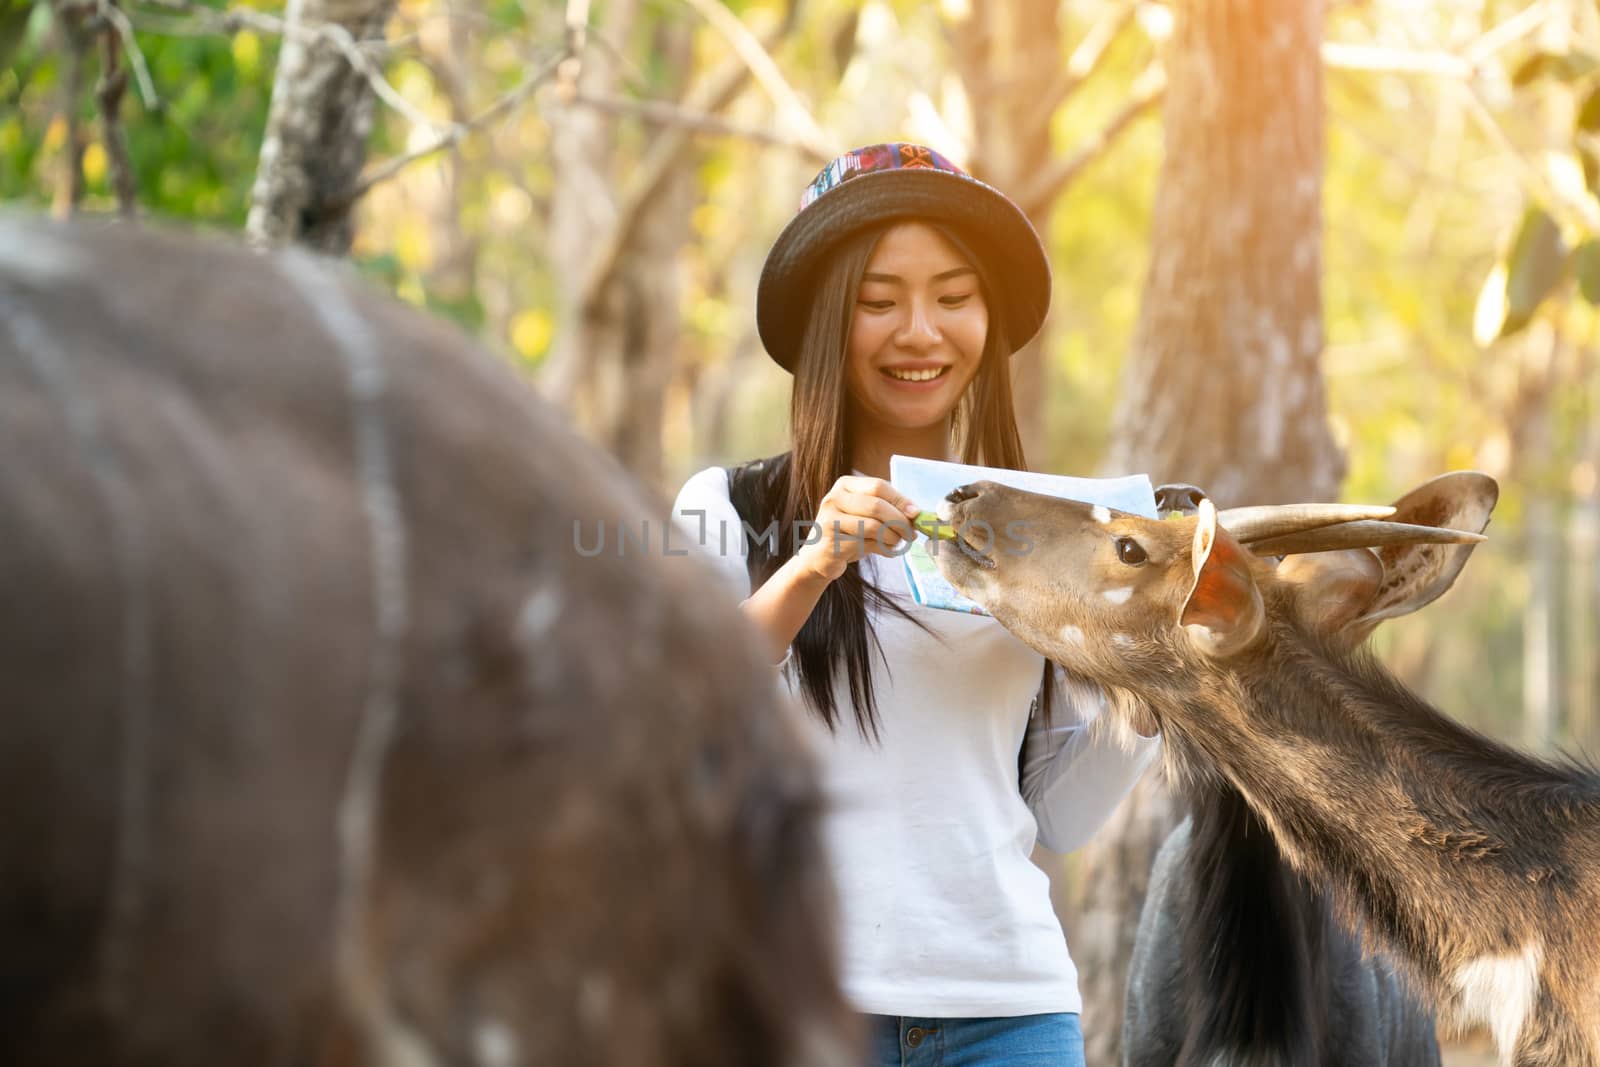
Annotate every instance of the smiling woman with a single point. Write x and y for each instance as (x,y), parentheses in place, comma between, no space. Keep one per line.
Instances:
(896,297)
(917,338)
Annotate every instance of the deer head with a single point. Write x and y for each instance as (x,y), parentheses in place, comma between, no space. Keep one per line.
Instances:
(1123,599)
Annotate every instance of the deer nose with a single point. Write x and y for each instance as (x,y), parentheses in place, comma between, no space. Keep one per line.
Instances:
(960,493)
(1179,497)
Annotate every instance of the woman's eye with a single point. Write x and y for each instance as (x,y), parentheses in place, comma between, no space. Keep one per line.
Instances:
(955,301)
(876,305)
(1130,551)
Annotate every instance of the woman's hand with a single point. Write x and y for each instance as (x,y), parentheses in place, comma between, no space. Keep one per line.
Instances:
(857,516)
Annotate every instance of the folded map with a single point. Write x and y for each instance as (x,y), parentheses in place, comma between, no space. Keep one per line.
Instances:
(927,481)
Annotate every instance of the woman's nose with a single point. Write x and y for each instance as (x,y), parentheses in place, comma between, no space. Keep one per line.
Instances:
(917,329)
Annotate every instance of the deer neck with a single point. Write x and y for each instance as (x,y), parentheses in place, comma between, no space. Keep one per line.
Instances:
(1254,937)
(1447,846)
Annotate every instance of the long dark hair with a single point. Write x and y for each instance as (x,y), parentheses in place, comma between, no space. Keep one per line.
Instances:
(789,488)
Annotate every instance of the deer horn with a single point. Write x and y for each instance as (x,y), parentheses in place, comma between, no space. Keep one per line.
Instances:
(1257,523)
(1362,535)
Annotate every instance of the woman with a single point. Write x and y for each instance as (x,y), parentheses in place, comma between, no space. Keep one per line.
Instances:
(896,297)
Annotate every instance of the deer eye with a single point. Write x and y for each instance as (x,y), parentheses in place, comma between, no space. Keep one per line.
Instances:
(1130,551)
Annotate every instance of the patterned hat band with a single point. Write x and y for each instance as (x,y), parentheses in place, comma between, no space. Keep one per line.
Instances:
(901,182)
(896,155)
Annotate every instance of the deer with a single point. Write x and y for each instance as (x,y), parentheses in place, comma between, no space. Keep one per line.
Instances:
(1474,866)
(320,743)
(1237,958)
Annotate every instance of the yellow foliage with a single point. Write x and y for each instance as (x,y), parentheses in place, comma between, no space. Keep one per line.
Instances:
(710,317)
(512,206)
(413,245)
(410,290)
(1490,313)
(95,163)
(56,135)
(706,219)
(531,332)
(247,52)
(414,82)
(1460,457)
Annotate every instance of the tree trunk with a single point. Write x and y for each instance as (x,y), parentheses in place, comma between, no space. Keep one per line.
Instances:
(1223,387)
(1583,548)
(316,137)
(616,349)
(1223,384)
(1007,55)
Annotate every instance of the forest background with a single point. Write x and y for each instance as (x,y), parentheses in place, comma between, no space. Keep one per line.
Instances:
(1301,249)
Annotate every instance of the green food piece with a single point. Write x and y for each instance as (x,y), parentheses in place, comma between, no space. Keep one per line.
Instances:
(935,527)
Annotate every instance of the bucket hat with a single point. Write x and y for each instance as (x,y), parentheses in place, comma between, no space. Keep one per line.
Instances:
(897,181)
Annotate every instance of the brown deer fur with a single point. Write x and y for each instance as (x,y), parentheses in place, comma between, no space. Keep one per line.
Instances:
(1476,865)
(321,745)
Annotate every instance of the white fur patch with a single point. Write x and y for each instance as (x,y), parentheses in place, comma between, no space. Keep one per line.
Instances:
(1072,635)
(1118,596)
(494,1045)
(539,612)
(1122,640)
(30,251)
(595,997)
(1101,514)
(1499,990)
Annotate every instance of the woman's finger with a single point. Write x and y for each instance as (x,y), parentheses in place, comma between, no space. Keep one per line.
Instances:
(855,483)
(868,506)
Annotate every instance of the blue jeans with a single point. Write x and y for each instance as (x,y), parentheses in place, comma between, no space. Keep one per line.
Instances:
(1019,1041)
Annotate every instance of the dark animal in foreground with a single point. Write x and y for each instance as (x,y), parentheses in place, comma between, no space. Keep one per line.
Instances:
(320,743)
(1476,866)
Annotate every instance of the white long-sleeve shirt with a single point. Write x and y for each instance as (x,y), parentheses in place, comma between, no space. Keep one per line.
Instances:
(930,827)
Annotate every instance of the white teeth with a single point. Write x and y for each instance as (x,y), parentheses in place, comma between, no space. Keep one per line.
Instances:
(915,375)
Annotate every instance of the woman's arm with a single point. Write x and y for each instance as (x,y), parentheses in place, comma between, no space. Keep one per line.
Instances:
(783,604)
(859,515)
(1077,769)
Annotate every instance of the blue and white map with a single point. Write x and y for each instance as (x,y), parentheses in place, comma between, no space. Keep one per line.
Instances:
(927,481)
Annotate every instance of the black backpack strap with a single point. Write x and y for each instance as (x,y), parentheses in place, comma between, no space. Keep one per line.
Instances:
(756,490)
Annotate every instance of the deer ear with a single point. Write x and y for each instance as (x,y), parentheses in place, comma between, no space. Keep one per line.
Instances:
(1223,614)
(1416,575)
(1332,590)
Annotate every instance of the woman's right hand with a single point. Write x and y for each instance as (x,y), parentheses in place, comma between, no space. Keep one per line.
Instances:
(857,516)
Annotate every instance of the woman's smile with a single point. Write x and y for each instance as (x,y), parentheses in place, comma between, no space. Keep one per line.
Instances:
(917,333)
(920,378)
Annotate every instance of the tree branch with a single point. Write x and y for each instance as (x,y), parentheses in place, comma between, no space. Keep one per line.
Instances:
(113,83)
(662,113)
(1148,90)
(1462,65)
(761,64)
(359,54)
(75,43)
(114,14)
(570,64)
(710,96)
(457,131)
(1081,65)
(1581,210)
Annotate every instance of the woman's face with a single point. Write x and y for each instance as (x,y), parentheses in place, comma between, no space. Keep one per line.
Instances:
(917,332)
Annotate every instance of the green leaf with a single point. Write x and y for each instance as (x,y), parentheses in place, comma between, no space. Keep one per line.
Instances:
(1589,112)
(1533,269)
(14,18)
(1591,167)
(1586,265)
(1564,66)
(930,523)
